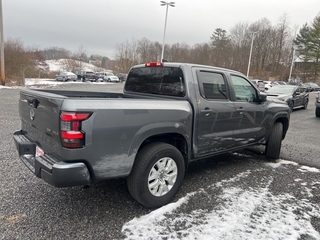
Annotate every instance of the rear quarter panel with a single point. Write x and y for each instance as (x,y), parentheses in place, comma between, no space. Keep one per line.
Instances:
(117,128)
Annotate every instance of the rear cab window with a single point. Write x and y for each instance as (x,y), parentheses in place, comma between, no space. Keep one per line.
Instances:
(167,81)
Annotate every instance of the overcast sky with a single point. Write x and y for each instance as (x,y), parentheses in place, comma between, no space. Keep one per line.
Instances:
(99,25)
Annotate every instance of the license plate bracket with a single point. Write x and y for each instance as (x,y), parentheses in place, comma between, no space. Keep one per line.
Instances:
(39,152)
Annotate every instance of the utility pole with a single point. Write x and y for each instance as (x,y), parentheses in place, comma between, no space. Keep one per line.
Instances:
(292,62)
(3,76)
(250,54)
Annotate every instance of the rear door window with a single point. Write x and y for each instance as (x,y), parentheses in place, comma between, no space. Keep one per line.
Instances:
(212,85)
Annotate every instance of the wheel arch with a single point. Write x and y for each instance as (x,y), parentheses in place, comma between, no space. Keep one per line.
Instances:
(171,135)
(175,139)
(285,123)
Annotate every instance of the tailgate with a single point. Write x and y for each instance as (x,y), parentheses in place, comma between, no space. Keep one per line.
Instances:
(40,117)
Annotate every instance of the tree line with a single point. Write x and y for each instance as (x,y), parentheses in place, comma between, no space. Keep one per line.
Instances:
(273,50)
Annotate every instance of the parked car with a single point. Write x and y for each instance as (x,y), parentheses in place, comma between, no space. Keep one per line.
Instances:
(299,84)
(110,77)
(259,84)
(280,82)
(122,76)
(295,96)
(317,111)
(66,76)
(313,86)
(268,85)
(99,76)
(86,75)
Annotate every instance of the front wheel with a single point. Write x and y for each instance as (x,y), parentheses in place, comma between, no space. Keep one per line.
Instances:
(291,104)
(157,174)
(305,103)
(273,145)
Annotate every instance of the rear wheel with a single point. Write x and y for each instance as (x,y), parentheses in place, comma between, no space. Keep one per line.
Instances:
(273,145)
(317,111)
(156,175)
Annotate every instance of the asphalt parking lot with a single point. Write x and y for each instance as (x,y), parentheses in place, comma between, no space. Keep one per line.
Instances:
(32,209)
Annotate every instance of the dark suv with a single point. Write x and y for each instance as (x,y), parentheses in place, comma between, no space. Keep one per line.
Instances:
(122,76)
(86,75)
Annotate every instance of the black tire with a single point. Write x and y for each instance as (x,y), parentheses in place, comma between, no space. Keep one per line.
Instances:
(273,145)
(305,103)
(151,160)
(317,111)
(291,104)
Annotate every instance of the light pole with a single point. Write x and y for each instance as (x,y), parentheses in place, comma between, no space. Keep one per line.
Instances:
(167,4)
(250,53)
(292,62)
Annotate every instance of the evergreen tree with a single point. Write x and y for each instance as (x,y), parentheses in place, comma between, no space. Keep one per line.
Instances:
(315,43)
(308,42)
(221,48)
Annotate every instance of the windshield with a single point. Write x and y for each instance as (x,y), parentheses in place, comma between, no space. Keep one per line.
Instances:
(156,80)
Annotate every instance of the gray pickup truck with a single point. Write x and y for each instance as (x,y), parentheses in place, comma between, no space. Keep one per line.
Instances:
(168,115)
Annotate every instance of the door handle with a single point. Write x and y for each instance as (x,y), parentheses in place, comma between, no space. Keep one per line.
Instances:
(207,111)
(240,109)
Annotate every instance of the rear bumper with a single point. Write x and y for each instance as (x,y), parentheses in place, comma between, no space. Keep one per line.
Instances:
(49,168)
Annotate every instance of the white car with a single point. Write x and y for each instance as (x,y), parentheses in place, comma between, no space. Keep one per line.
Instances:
(259,84)
(109,77)
(268,85)
(66,76)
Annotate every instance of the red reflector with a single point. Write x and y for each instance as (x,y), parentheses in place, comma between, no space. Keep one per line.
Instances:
(154,64)
(70,116)
(75,126)
(71,135)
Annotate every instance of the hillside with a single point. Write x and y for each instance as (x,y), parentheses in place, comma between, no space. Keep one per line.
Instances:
(70,65)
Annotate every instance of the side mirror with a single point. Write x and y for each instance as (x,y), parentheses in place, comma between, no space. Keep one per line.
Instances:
(262,97)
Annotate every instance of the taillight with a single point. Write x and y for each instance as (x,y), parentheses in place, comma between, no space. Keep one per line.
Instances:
(154,64)
(71,133)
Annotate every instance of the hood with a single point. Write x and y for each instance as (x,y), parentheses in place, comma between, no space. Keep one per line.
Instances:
(279,96)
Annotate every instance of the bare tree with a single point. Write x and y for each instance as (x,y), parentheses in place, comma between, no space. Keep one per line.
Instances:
(55,53)
(18,61)
(126,56)
(178,52)
(200,54)
(241,46)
